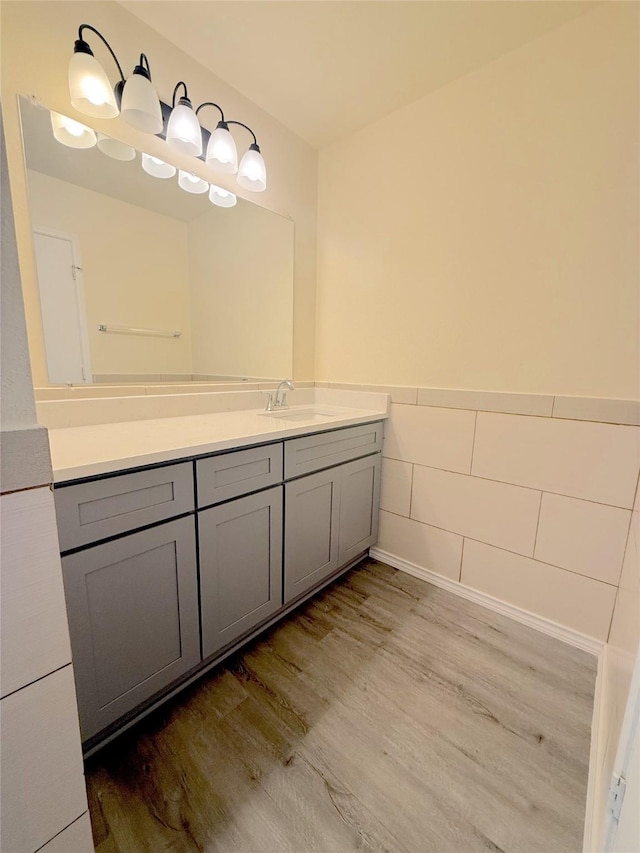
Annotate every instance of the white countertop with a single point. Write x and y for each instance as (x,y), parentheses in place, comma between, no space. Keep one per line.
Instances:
(88,451)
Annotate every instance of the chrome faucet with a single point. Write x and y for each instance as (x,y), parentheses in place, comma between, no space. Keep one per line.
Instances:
(280,399)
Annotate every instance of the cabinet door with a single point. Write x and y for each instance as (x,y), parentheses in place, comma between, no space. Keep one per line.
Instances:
(133,619)
(311,531)
(240,566)
(359,502)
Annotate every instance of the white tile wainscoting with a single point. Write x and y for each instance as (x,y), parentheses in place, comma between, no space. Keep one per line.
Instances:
(514,496)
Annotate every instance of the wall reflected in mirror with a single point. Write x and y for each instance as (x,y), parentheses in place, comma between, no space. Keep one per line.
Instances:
(141,281)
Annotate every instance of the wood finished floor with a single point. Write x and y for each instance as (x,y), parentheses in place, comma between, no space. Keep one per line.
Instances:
(385,714)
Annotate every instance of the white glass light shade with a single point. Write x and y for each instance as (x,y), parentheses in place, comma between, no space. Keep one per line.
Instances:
(222,154)
(183,130)
(221,198)
(140,105)
(89,87)
(72,133)
(156,167)
(252,173)
(114,148)
(191,183)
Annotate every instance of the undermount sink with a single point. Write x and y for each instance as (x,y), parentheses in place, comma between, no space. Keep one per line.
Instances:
(310,413)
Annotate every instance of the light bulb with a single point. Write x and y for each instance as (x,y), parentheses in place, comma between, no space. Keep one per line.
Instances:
(89,87)
(140,104)
(221,197)
(156,167)
(114,148)
(183,130)
(72,133)
(222,154)
(252,173)
(74,127)
(191,183)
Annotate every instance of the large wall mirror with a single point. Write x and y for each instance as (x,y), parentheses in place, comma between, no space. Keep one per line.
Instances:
(141,281)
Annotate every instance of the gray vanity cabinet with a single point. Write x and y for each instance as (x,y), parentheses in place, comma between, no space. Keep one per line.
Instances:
(133,619)
(169,567)
(240,566)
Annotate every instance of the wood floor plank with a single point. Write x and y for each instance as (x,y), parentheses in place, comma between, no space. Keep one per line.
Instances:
(383,715)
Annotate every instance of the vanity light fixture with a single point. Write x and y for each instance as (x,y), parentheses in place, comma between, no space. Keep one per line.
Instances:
(183,131)
(114,148)
(136,99)
(156,167)
(221,198)
(72,133)
(222,154)
(252,172)
(191,183)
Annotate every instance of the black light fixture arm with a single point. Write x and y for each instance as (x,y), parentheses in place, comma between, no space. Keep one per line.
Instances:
(185,97)
(81,46)
(246,127)
(212,104)
(144,65)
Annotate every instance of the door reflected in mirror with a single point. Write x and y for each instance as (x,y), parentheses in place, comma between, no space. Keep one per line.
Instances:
(140,281)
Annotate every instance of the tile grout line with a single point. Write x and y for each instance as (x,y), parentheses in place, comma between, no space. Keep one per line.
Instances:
(411,490)
(464,539)
(473,442)
(35,681)
(501,548)
(535,538)
(64,829)
(613,610)
(514,485)
(628,536)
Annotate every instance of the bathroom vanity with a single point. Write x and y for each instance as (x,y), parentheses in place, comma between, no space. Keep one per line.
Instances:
(168,567)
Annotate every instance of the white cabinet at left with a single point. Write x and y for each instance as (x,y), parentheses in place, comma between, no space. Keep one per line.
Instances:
(43,793)
(33,623)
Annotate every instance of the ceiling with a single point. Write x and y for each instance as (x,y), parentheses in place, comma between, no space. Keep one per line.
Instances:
(326,68)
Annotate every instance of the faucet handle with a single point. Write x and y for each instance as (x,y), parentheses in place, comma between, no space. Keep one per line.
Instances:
(270,404)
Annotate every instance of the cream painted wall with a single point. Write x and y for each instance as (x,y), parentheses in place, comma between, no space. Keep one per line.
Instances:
(136,273)
(486,236)
(37,41)
(241,292)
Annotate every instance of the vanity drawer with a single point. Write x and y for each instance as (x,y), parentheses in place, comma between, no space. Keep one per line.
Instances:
(89,512)
(322,450)
(230,475)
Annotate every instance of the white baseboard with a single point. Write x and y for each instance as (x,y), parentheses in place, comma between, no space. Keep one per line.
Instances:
(546,626)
